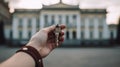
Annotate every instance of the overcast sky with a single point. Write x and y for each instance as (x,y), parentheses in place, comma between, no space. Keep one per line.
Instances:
(112,6)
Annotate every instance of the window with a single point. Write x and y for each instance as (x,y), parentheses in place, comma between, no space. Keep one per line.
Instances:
(37,23)
(60,19)
(20,35)
(29,22)
(11,34)
(29,34)
(83,22)
(20,22)
(74,18)
(82,34)
(46,18)
(101,22)
(100,34)
(53,19)
(67,34)
(111,34)
(91,22)
(91,34)
(74,34)
(67,19)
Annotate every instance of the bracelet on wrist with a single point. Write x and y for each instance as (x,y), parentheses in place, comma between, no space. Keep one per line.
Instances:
(34,54)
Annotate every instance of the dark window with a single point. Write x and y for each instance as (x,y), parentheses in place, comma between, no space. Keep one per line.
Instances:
(74,34)
(91,22)
(101,22)
(29,34)
(83,22)
(46,18)
(20,35)
(29,22)
(111,35)
(67,34)
(20,22)
(74,16)
(11,34)
(60,19)
(82,34)
(53,19)
(74,19)
(37,23)
(91,34)
(100,34)
(67,19)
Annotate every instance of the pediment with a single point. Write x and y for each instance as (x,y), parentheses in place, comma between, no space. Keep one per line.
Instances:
(60,5)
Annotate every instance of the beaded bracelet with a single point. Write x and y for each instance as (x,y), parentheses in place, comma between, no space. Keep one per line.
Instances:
(33,53)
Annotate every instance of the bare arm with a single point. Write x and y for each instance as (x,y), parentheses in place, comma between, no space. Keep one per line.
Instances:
(43,41)
(20,59)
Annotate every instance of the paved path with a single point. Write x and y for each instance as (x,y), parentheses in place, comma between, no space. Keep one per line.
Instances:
(75,57)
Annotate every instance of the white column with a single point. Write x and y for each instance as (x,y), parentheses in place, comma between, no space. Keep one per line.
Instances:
(25,31)
(15,28)
(49,19)
(56,19)
(87,32)
(70,19)
(70,34)
(115,33)
(78,26)
(96,30)
(105,29)
(65,34)
(64,22)
(70,23)
(64,19)
(41,21)
(33,25)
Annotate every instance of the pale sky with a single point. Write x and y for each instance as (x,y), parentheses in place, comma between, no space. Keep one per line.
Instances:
(112,6)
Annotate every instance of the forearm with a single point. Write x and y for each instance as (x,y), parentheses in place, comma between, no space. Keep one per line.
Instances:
(20,59)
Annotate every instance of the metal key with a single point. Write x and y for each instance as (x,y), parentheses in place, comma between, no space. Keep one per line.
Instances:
(57,33)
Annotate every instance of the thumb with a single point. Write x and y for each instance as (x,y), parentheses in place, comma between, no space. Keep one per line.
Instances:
(50,28)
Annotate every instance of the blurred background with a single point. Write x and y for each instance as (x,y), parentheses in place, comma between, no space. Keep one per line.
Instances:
(92,36)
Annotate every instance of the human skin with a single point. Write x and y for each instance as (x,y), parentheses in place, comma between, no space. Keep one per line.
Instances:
(43,41)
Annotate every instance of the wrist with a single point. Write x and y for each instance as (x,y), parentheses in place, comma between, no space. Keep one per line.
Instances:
(34,54)
(35,45)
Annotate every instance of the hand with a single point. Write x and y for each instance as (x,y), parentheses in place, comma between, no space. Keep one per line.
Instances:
(44,40)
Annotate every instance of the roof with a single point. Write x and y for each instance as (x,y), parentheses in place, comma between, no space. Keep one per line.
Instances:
(93,11)
(60,6)
(112,25)
(26,10)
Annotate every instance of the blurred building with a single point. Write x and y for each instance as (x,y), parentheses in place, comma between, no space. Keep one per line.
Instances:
(84,26)
(118,33)
(4,21)
(113,33)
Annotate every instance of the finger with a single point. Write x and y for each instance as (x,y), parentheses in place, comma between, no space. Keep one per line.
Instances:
(50,28)
(61,39)
(61,33)
(62,26)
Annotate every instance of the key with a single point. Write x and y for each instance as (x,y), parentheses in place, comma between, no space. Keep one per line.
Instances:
(57,33)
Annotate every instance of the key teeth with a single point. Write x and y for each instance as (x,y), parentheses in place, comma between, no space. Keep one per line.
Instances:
(57,34)
(57,25)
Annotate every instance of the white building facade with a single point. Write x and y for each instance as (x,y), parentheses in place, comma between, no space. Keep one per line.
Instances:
(84,26)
